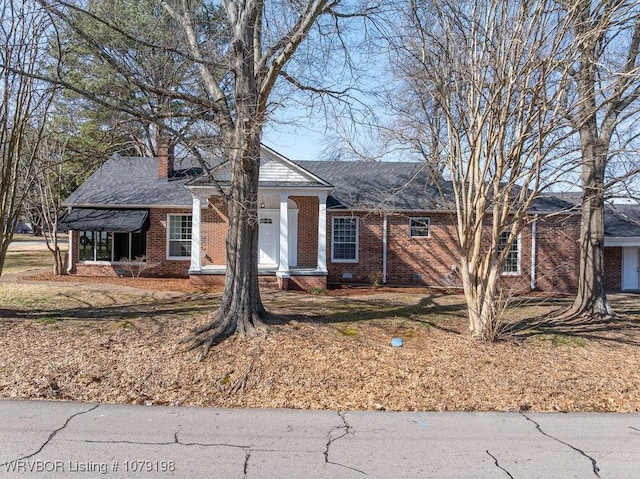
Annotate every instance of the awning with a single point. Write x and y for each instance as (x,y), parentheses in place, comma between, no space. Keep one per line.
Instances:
(115,220)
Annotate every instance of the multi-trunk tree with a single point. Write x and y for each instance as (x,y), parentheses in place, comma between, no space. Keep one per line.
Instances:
(489,70)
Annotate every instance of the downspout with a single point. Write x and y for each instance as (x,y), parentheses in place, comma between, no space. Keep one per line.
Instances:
(384,249)
(70,252)
(534,230)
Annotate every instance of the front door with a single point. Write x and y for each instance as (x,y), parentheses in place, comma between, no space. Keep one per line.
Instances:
(631,269)
(268,239)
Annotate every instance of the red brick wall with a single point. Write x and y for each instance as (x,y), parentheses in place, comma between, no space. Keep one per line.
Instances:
(157,263)
(557,253)
(307,230)
(613,269)
(433,260)
(427,261)
(213,230)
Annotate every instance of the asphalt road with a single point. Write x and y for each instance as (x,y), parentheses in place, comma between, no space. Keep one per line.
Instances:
(82,440)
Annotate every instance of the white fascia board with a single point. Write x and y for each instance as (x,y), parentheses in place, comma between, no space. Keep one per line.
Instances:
(622,241)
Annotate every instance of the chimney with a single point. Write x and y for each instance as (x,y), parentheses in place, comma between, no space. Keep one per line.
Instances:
(165,158)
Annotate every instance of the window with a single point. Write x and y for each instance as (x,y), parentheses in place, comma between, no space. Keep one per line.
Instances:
(419,227)
(179,236)
(111,247)
(344,247)
(512,261)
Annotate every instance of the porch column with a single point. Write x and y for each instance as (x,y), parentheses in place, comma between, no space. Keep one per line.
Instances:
(196,265)
(322,234)
(283,266)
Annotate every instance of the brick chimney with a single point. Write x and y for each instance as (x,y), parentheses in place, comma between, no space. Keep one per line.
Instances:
(165,158)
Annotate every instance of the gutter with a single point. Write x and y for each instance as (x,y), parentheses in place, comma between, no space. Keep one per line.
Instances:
(534,231)
(384,249)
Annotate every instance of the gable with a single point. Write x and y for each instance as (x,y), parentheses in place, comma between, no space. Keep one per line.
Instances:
(275,168)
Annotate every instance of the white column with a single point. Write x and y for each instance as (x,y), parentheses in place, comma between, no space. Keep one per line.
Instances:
(283,266)
(196,265)
(322,234)
(70,252)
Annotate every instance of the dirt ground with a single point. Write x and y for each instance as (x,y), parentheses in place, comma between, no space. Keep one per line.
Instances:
(116,341)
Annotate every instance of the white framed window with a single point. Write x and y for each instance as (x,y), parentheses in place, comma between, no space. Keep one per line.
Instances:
(344,244)
(512,261)
(179,236)
(419,227)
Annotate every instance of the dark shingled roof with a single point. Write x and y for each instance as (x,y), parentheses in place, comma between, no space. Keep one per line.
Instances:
(130,182)
(133,181)
(385,186)
(622,221)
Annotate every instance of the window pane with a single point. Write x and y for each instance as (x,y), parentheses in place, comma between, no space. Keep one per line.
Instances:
(85,245)
(180,235)
(345,238)
(511,261)
(120,246)
(138,244)
(419,226)
(179,248)
(103,245)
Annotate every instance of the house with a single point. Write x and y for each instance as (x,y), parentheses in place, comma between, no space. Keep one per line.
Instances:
(319,223)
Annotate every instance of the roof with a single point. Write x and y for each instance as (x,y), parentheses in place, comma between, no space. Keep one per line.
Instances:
(133,182)
(386,186)
(622,221)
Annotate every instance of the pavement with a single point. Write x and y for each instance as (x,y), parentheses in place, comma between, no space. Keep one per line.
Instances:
(84,440)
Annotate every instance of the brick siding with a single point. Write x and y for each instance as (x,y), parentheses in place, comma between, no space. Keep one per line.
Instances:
(613,269)
(430,261)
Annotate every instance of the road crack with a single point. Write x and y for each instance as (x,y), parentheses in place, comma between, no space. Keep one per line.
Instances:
(495,460)
(594,463)
(51,436)
(336,433)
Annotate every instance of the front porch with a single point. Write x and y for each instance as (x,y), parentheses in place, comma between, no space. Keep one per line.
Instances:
(302,279)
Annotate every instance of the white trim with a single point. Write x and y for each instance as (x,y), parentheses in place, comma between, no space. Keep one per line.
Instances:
(534,241)
(357,242)
(283,259)
(384,248)
(622,241)
(70,251)
(321,260)
(196,262)
(422,218)
(168,230)
(519,253)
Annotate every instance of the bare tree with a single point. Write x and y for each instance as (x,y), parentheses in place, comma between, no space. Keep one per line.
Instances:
(489,69)
(237,68)
(23,108)
(606,75)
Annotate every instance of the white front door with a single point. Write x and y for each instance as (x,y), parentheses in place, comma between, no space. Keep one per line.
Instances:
(268,239)
(630,269)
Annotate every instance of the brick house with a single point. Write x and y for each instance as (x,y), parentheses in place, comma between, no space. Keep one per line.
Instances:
(319,223)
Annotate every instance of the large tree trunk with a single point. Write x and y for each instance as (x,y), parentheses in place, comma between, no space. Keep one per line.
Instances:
(241,308)
(591,298)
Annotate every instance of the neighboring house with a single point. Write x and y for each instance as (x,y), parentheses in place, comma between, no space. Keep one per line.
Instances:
(319,223)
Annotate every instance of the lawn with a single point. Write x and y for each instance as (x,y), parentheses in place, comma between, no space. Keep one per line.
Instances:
(117,341)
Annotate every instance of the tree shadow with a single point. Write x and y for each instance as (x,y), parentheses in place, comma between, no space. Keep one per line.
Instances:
(145,307)
(624,328)
(346,309)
